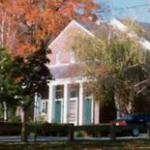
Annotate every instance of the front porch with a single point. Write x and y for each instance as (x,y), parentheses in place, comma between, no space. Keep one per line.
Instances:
(68,103)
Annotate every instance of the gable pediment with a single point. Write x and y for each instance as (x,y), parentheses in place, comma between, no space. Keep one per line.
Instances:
(62,40)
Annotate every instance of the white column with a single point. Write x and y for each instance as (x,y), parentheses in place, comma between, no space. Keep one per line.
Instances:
(96,112)
(36,107)
(65,106)
(81,101)
(92,109)
(50,104)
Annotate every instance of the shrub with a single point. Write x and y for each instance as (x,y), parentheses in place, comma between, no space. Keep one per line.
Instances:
(10,128)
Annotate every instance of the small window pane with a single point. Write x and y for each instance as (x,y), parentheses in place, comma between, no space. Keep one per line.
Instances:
(44,106)
(73,93)
(58,57)
(59,92)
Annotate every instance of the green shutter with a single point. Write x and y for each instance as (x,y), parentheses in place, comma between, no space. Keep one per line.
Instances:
(87,111)
(57,111)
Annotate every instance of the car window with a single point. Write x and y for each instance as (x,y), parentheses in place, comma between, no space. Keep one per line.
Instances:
(127,117)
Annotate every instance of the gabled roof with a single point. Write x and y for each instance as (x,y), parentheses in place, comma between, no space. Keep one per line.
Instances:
(92,29)
(121,27)
(63,35)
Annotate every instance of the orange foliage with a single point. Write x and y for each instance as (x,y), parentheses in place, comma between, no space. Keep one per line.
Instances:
(24,24)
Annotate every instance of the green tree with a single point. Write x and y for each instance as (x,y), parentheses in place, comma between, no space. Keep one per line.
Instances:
(32,74)
(32,25)
(114,62)
(8,85)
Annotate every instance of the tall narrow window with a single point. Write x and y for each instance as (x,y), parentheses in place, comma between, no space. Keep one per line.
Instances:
(44,106)
(59,92)
(72,57)
(58,57)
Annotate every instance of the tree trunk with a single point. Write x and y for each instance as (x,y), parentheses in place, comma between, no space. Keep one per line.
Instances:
(5,112)
(24,126)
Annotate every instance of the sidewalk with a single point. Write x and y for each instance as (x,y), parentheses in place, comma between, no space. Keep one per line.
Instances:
(16,139)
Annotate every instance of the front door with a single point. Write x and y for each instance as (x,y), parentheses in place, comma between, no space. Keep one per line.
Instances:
(87,110)
(58,103)
(57,111)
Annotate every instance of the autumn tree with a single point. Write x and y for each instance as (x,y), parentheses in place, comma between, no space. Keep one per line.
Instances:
(25,24)
(26,27)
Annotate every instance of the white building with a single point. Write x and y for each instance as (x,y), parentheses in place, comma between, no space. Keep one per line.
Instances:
(66,101)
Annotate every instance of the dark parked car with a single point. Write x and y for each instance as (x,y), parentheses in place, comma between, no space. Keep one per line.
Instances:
(132,123)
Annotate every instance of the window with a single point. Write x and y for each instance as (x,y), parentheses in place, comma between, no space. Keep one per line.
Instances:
(58,57)
(59,92)
(72,57)
(44,106)
(73,93)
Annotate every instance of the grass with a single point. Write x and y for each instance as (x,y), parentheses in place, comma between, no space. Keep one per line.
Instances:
(105,145)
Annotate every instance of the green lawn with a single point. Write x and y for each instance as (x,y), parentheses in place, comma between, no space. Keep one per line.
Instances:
(119,145)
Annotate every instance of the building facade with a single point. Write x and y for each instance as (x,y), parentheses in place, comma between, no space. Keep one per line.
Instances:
(66,101)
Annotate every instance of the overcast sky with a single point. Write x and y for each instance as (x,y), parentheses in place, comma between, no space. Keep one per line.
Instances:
(136,9)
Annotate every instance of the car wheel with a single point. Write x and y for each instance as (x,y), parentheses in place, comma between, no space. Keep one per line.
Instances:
(135,132)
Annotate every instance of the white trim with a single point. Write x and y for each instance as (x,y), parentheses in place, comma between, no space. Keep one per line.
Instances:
(73,98)
(67,80)
(58,99)
(84,29)
(65,103)
(92,110)
(97,112)
(57,65)
(81,103)
(66,28)
(35,107)
(50,103)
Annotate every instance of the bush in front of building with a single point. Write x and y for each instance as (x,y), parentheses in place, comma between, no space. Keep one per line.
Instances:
(10,128)
(92,130)
(41,129)
(46,129)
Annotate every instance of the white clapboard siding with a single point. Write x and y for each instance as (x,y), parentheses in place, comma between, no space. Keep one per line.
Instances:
(72,107)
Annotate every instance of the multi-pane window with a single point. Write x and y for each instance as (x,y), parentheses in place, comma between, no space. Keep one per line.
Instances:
(59,92)
(58,57)
(44,106)
(73,93)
